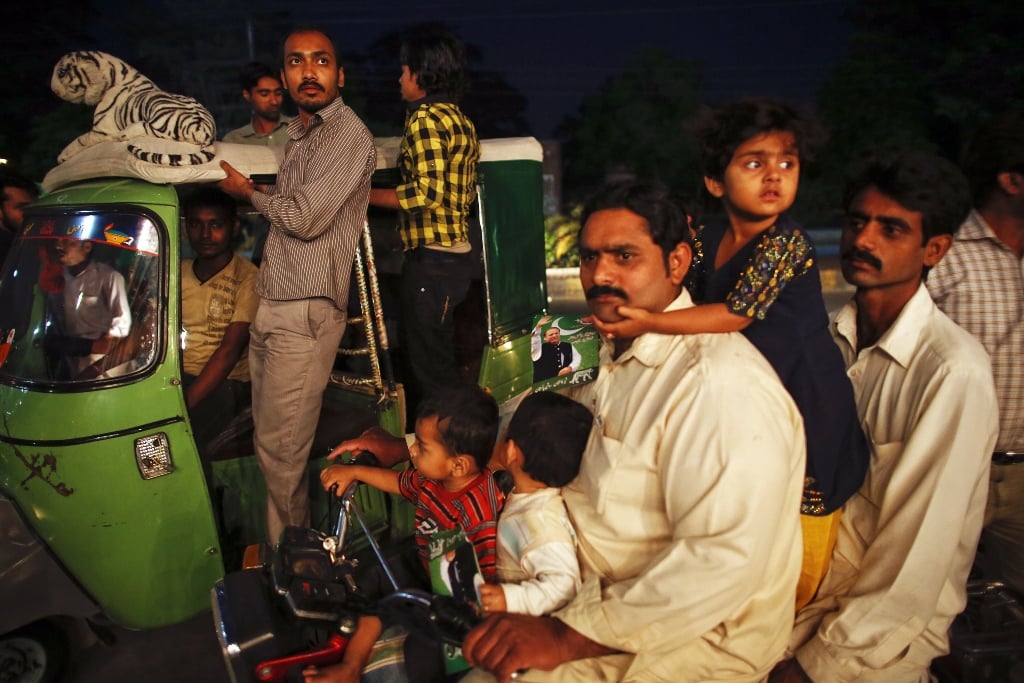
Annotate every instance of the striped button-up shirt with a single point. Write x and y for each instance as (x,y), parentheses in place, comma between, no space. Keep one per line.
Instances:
(317,207)
(979,284)
(437,159)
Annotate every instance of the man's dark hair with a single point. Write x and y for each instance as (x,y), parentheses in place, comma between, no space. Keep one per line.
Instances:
(552,431)
(467,420)
(212,197)
(652,201)
(919,181)
(438,59)
(16,180)
(252,72)
(996,147)
(720,131)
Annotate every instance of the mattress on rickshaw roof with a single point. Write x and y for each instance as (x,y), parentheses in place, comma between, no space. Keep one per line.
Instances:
(112,159)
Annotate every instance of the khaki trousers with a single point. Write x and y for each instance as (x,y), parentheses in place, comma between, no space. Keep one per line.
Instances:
(292,347)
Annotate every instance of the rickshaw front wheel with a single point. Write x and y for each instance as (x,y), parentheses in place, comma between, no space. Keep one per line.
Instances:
(36,653)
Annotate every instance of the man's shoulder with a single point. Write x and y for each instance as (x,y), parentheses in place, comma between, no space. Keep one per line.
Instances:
(443,113)
(239,134)
(727,354)
(719,366)
(244,268)
(947,348)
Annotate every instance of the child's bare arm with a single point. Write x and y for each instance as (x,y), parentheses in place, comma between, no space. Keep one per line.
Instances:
(390,450)
(492,598)
(695,320)
(342,475)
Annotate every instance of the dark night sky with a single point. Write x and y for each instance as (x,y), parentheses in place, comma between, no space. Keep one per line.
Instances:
(555,52)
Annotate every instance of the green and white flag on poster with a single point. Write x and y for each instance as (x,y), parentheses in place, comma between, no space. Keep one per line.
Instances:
(564,352)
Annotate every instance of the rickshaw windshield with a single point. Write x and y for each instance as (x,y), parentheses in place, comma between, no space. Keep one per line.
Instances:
(79,298)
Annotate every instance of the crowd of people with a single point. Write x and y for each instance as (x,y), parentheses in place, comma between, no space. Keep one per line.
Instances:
(749,490)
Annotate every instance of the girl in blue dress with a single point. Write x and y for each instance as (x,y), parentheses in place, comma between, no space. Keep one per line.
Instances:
(759,276)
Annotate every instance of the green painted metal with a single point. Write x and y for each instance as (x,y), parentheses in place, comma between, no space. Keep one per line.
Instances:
(507,370)
(512,197)
(146,550)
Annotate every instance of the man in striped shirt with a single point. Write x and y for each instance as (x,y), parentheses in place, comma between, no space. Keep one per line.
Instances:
(316,211)
(437,160)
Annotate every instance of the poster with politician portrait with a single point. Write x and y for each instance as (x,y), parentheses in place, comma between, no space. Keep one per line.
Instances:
(564,352)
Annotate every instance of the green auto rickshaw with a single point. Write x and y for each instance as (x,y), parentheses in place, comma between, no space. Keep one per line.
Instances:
(108,512)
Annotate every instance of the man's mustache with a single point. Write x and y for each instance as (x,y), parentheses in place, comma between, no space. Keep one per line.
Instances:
(312,83)
(603,290)
(861,255)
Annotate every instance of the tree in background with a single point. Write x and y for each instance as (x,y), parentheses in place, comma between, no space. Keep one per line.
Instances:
(918,73)
(496,108)
(635,126)
(35,36)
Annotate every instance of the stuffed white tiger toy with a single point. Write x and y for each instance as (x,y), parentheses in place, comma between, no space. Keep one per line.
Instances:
(129,106)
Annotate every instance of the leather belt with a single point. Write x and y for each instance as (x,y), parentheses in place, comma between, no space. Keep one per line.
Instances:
(1007,457)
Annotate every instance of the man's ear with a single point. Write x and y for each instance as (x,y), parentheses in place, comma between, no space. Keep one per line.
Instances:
(247,96)
(935,248)
(715,187)
(679,260)
(341,77)
(1011,182)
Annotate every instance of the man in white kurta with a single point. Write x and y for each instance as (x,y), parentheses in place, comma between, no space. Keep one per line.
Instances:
(927,404)
(687,501)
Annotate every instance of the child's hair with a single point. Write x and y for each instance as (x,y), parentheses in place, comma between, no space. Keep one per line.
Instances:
(467,420)
(551,430)
(720,131)
(213,198)
(920,182)
(437,58)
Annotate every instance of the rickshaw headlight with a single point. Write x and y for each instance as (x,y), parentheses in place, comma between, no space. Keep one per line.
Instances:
(153,456)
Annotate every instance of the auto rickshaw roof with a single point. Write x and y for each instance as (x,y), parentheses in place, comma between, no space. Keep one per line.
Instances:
(112,159)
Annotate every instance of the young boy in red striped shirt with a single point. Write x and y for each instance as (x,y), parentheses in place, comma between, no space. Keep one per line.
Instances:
(456,429)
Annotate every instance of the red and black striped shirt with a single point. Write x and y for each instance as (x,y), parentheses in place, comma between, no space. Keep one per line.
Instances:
(474,509)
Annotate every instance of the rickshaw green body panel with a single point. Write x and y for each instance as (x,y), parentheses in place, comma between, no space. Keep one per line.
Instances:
(512,222)
(146,550)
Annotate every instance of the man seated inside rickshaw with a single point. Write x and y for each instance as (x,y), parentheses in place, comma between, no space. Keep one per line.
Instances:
(218,301)
(91,310)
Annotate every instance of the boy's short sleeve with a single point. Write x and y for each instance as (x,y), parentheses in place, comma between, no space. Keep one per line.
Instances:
(780,257)
(246,301)
(409,484)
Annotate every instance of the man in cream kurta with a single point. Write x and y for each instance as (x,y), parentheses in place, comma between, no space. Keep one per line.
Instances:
(688,498)
(927,403)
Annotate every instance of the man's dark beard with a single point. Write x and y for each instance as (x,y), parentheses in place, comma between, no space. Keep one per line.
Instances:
(602,290)
(862,255)
(311,108)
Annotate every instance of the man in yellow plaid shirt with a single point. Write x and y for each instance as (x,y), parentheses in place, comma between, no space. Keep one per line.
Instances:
(437,161)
